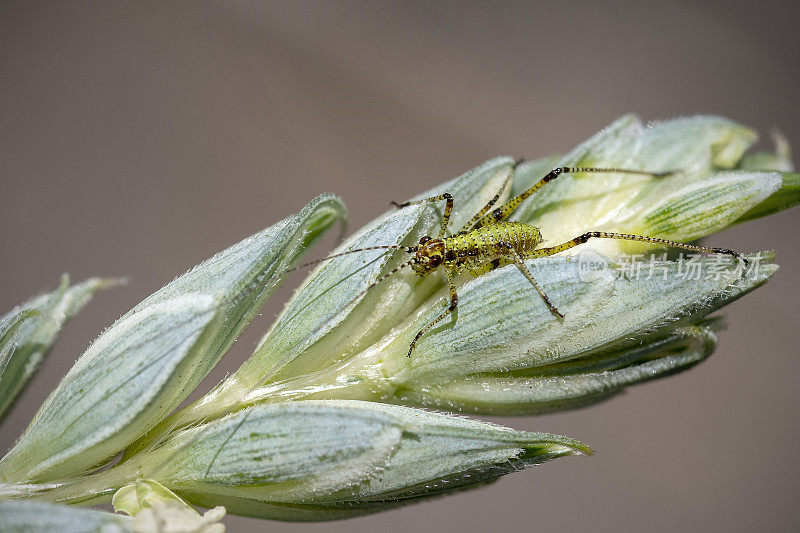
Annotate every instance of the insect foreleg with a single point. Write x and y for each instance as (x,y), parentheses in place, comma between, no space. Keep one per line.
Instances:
(448,208)
(502,212)
(450,309)
(544,252)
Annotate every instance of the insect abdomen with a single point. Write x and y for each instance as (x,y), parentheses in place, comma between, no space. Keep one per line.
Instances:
(490,242)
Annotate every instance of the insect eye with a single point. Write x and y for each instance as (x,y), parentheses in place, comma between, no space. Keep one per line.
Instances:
(424,240)
(436,260)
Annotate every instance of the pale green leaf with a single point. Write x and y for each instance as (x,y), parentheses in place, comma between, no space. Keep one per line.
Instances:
(24,344)
(780,161)
(334,283)
(40,517)
(617,321)
(144,365)
(576,383)
(501,324)
(504,326)
(692,147)
(334,459)
(322,317)
(701,207)
(787,196)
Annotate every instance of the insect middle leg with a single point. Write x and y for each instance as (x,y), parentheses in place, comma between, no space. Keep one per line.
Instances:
(527,273)
(507,254)
(453,304)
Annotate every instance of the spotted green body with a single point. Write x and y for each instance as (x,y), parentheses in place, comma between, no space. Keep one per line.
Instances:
(487,248)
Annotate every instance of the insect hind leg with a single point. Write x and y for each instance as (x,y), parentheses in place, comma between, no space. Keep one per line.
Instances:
(545,252)
(505,210)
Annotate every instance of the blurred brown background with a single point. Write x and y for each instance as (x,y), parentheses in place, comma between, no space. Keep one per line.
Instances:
(139,138)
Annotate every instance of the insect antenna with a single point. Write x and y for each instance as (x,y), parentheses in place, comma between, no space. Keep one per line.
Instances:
(396,269)
(408,249)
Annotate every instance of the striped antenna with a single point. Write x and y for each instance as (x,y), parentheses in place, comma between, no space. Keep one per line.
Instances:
(408,249)
(396,269)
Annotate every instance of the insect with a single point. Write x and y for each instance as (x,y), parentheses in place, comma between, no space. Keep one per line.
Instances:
(487,242)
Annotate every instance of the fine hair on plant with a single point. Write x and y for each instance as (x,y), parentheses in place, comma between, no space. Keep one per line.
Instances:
(520,287)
